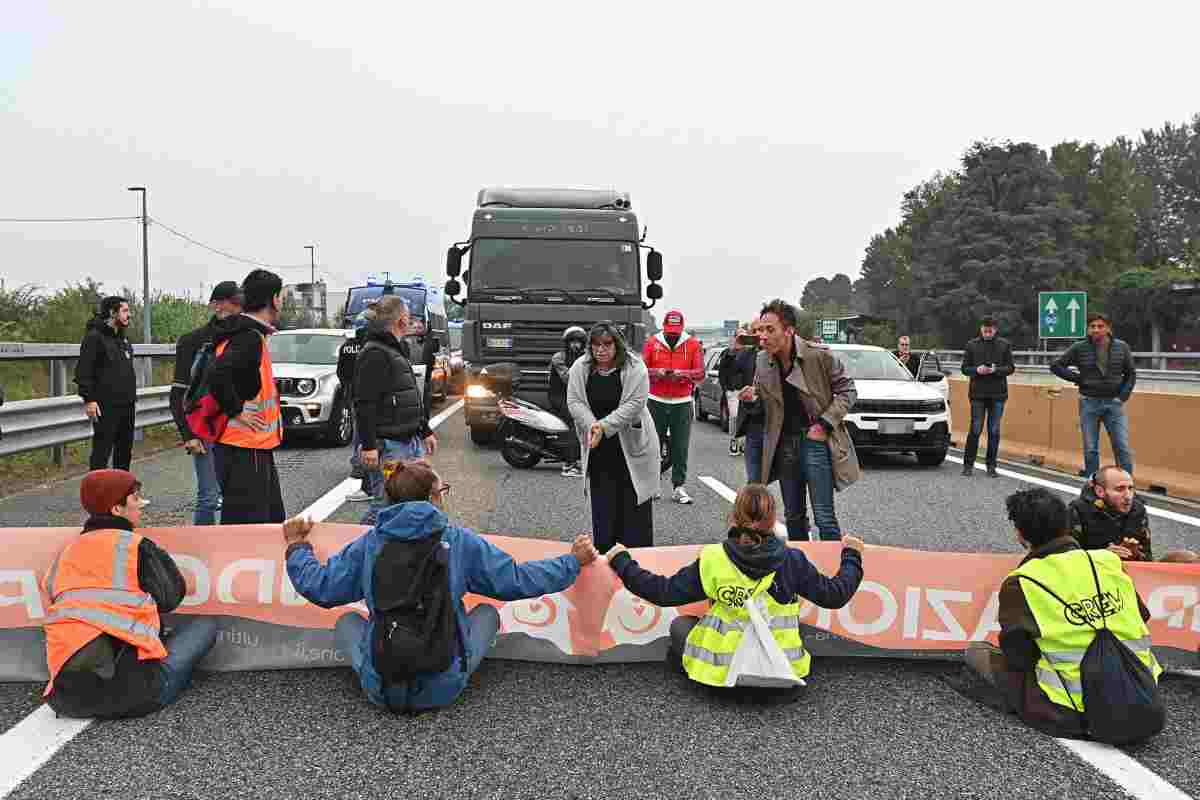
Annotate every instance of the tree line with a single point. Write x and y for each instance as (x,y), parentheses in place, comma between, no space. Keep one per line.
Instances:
(1120,221)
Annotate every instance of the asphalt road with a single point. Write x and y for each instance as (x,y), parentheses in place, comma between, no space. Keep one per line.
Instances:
(866,728)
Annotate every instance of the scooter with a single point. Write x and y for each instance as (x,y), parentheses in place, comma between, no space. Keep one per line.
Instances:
(528,434)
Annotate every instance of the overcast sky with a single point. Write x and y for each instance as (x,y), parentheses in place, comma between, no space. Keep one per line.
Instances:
(762,144)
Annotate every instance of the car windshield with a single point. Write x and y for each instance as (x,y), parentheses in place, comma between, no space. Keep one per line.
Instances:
(555,263)
(872,365)
(364,296)
(304,348)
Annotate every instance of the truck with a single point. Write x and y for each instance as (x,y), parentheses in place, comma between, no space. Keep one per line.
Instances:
(540,261)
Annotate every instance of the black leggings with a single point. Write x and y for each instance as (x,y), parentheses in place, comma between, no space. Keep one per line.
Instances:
(616,515)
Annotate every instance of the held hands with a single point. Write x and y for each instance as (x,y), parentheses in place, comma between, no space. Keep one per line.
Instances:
(984,370)
(296,529)
(431,444)
(616,548)
(194,447)
(584,550)
(1127,550)
(747,394)
(854,543)
(595,436)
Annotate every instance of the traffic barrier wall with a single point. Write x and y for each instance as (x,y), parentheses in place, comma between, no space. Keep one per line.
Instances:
(1041,425)
(911,604)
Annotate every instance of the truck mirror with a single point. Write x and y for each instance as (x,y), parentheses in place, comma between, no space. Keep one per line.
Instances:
(654,291)
(453,262)
(654,267)
(453,287)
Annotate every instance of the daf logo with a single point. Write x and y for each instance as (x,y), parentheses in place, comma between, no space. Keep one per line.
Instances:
(497,326)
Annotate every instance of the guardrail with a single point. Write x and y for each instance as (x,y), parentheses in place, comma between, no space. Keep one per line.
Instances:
(1157,360)
(58,420)
(1172,375)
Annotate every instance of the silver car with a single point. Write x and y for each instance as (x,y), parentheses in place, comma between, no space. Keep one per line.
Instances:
(310,394)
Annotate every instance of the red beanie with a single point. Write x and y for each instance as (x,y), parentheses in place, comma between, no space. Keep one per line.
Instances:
(102,489)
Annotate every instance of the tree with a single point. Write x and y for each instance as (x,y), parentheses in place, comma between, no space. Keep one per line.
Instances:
(837,291)
(1169,224)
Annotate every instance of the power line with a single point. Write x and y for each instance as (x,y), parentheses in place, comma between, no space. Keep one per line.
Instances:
(252,262)
(69,219)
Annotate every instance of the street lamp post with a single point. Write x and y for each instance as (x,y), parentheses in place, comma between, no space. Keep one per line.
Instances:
(145,265)
(312,285)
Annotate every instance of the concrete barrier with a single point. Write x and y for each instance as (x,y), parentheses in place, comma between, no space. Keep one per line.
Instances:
(1041,426)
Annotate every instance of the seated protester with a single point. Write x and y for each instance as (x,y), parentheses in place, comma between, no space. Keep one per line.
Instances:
(1037,669)
(752,562)
(1109,514)
(105,650)
(470,562)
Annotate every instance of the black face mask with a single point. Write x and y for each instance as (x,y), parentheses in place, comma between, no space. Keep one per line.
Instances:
(672,339)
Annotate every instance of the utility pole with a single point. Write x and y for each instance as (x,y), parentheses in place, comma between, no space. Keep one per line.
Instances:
(312,260)
(145,265)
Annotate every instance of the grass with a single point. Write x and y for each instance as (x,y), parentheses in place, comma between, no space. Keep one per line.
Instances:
(29,380)
(26,470)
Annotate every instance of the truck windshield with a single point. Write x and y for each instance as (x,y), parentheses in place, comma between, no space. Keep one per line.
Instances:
(362,297)
(559,263)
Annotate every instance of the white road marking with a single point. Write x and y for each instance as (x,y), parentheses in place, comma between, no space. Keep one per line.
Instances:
(1124,771)
(1174,516)
(33,741)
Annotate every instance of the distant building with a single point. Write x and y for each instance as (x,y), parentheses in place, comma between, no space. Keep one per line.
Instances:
(310,297)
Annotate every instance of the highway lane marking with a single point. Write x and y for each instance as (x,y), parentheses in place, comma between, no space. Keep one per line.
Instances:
(32,742)
(1174,516)
(1123,770)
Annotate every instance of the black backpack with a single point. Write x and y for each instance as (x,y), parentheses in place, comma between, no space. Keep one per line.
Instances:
(198,375)
(1121,703)
(415,628)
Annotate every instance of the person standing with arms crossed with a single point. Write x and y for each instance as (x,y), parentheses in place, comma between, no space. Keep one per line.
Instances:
(987,361)
(675,363)
(108,384)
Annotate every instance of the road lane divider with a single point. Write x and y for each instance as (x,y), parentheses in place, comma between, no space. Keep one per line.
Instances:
(1123,770)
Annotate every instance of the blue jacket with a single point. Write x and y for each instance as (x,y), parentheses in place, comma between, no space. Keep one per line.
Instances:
(476,565)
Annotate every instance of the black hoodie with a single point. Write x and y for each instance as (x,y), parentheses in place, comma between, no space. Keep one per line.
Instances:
(104,371)
(795,576)
(234,377)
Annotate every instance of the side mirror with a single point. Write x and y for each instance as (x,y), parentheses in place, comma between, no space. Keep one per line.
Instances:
(654,268)
(654,291)
(453,262)
(453,287)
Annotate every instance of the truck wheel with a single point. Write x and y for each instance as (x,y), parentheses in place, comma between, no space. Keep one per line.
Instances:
(931,458)
(481,437)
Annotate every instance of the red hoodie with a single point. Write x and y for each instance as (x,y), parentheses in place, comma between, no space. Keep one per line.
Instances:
(687,359)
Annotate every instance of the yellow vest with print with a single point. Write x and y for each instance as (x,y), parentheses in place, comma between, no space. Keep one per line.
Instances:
(1065,630)
(715,638)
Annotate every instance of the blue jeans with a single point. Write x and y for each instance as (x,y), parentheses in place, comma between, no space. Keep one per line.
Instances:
(208,491)
(189,642)
(753,453)
(483,626)
(389,450)
(806,470)
(994,411)
(1110,411)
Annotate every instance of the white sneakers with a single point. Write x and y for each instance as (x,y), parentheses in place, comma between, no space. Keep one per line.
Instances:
(681,496)
(358,497)
(571,471)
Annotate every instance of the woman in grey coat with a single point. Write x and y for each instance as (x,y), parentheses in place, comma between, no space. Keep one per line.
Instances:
(607,389)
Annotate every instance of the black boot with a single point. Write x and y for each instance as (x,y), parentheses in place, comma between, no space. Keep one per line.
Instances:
(991,471)
(967,470)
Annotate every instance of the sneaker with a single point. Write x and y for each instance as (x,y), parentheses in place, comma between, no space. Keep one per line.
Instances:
(358,497)
(967,470)
(572,471)
(681,496)
(733,447)
(358,472)
(992,473)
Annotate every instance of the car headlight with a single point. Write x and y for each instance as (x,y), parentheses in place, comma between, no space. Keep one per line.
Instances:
(306,386)
(479,392)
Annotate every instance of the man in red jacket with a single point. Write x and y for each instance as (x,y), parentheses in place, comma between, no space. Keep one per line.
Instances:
(675,361)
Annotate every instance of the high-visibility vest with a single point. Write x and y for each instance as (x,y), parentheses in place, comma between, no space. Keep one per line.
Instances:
(1065,630)
(93,588)
(715,638)
(266,403)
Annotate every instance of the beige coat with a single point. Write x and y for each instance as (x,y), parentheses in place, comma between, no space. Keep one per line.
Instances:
(826,391)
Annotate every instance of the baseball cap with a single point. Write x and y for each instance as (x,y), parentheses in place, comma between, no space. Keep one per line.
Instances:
(673,322)
(102,489)
(226,290)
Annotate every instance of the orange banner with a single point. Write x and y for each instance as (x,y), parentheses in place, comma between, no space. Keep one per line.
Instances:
(911,603)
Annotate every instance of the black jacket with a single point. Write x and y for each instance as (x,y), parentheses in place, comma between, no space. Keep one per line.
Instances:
(105,678)
(104,371)
(913,364)
(185,353)
(1117,381)
(735,371)
(234,378)
(348,361)
(560,368)
(1095,526)
(795,576)
(998,353)
(388,400)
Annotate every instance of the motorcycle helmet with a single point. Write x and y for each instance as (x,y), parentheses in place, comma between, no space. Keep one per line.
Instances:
(575,338)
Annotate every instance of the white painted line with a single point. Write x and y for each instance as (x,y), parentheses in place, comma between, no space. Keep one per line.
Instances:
(729,495)
(1124,771)
(1174,516)
(31,743)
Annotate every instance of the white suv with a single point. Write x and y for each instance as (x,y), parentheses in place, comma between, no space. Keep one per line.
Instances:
(895,412)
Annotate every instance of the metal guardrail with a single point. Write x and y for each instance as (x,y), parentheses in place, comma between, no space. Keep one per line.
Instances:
(1043,357)
(59,420)
(1171,375)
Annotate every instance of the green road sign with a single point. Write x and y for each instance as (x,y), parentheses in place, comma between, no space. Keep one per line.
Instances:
(1062,315)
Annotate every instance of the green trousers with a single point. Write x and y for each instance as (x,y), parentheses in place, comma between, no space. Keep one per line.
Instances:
(676,418)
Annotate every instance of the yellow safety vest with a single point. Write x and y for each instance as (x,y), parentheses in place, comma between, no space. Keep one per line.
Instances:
(715,638)
(1065,630)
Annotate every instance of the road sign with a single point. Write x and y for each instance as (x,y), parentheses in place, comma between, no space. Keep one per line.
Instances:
(1062,315)
(829,329)
(731,326)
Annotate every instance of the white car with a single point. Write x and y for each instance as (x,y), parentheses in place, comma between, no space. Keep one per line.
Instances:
(310,395)
(895,412)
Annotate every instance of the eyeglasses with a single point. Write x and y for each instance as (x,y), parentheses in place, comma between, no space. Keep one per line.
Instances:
(598,345)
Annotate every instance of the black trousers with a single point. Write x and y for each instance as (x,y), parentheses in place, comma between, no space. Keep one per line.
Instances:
(249,486)
(616,515)
(112,435)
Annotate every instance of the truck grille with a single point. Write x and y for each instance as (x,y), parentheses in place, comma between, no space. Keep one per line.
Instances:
(898,407)
(534,343)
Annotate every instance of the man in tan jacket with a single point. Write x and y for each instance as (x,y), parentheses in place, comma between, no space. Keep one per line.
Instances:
(805,393)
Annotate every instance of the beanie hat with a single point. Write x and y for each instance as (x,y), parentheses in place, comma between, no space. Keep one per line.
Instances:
(673,322)
(102,489)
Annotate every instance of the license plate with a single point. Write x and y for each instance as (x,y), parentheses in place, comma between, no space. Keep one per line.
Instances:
(499,342)
(895,427)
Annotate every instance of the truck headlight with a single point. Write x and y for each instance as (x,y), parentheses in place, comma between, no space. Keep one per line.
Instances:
(306,386)
(479,392)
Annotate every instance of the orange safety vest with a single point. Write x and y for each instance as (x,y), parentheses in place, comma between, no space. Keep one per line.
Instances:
(266,403)
(93,588)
